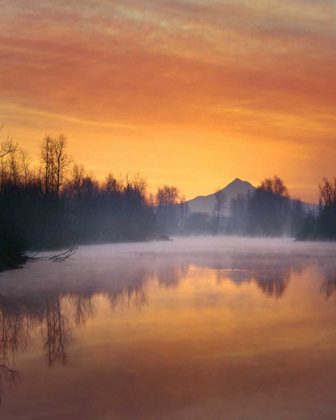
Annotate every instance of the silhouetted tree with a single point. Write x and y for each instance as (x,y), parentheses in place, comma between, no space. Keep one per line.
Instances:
(7,147)
(59,204)
(166,208)
(198,224)
(297,218)
(268,208)
(218,210)
(238,214)
(184,212)
(327,218)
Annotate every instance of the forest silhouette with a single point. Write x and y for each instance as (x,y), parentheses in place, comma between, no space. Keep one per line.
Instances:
(55,203)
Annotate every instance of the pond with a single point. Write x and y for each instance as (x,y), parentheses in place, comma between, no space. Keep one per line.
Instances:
(197,328)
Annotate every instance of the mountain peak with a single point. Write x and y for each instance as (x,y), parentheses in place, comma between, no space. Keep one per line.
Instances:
(205,204)
(237,181)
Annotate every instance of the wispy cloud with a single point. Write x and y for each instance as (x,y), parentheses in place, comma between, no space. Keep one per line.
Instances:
(263,69)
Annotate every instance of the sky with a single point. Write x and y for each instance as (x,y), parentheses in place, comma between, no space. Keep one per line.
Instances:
(187,92)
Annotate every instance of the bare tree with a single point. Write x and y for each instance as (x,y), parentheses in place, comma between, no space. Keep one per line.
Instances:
(25,162)
(275,186)
(167,210)
(328,208)
(269,208)
(139,184)
(167,196)
(7,147)
(54,164)
(151,200)
(62,161)
(238,214)
(184,211)
(219,208)
(328,193)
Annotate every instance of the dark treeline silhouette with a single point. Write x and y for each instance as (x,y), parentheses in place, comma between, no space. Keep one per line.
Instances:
(326,227)
(270,211)
(268,208)
(321,225)
(174,217)
(57,203)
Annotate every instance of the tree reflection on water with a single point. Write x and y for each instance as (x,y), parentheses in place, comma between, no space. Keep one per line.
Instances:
(55,314)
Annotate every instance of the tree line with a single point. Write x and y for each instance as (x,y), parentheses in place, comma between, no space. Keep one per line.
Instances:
(268,211)
(56,203)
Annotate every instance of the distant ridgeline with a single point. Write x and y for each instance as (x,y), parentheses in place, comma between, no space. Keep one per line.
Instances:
(56,203)
(246,210)
(205,204)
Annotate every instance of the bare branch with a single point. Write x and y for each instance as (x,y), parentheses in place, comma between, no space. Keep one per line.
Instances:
(55,258)
(7,147)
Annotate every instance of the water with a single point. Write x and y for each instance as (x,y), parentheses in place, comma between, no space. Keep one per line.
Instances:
(190,329)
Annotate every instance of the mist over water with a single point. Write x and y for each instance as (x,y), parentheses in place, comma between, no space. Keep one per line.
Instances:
(189,329)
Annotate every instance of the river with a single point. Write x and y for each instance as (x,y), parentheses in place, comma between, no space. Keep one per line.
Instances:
(197,328)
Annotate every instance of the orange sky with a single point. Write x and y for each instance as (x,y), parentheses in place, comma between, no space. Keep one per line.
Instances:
(187,92)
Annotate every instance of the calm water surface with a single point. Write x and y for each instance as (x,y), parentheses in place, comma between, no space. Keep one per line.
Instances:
(190,329)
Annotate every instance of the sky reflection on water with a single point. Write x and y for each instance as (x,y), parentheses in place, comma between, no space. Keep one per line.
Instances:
(193,329)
